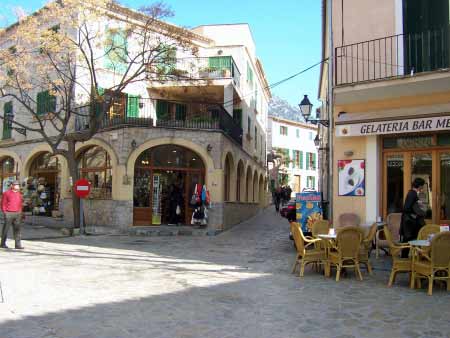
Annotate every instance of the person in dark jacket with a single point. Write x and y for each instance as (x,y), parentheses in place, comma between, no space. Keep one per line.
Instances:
(277,199)
(413,216)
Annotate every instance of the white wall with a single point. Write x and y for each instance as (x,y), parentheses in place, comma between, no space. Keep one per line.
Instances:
(304,143)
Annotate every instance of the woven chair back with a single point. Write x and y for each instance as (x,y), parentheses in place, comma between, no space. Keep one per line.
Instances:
(298,237)
(348,219)
(320,227)
(427,230)
(440,250)
(372,232)
(388,236)
(393,221)
(349,241)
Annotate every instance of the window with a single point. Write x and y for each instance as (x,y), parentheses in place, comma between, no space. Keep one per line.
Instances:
(221,65)
(133,105)
(46,103)
(8,173)
(297,132)
(116,50)
(310,161)
(94,164)
(8,117)
(249,124)
(297,158)
(256,137)
(237,116)
(283,130)
(249,75)
(166,60)
(311,182)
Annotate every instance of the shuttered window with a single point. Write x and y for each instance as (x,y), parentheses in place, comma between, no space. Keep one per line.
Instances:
(301,160)
(46,103)
(219,62)
(180,112)
(162,109)
(7,119)
(116,51)
(133,105)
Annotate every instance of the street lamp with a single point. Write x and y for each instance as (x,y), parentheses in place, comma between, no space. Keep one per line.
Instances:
(317,143)
(305,108)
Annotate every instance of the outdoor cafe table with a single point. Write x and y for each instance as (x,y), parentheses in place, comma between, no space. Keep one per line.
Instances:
(414,245)
(327,239)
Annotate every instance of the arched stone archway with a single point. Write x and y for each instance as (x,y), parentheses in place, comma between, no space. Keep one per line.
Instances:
(255,187)
(165,178)
(249,185)
(240,182)
(261,191)
(229,178)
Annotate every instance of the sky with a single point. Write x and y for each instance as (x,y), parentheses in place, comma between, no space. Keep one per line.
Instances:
(287,33)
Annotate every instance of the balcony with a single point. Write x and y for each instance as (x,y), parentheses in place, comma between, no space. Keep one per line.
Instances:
(392,57)
(197,68)
(149,113)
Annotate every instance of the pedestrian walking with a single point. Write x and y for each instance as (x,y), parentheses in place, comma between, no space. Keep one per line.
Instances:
(413,216)
(288,193)
(12,211)
(277,199)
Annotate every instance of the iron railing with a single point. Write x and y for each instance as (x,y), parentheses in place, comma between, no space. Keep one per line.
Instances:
(215,67)
(392,56)
(148,113)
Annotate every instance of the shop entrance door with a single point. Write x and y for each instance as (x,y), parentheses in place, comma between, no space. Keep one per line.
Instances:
(400,170)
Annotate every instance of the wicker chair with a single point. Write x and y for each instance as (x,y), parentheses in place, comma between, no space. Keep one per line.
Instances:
(348,245)
(320,227)
(426,266)
(427,230)
(393,222)
(366,247)
(348,219)
(398,264)
(305,255)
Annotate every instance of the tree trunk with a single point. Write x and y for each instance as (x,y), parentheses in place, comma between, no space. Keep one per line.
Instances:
(73,170)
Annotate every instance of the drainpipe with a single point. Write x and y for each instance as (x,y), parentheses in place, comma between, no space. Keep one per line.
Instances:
(330,109)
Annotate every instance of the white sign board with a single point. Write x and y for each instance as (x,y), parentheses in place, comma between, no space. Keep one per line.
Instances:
(394,126)
(82,188)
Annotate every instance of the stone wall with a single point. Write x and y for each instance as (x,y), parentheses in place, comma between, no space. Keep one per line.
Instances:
(235,212)
(107,215)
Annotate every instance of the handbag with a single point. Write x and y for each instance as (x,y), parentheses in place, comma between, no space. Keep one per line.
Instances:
(194,197)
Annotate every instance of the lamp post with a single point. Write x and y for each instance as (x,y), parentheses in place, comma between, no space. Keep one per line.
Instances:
(317,141)
(306,108)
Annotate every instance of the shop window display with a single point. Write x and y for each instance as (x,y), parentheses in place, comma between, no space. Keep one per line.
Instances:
(41,188)
(94,164)
(8,172)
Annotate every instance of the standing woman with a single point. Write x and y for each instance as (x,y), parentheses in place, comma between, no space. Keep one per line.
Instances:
(413,216)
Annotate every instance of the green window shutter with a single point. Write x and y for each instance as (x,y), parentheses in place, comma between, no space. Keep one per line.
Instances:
(7,119)
(219,62)
(237,116)
(180,112)
(133,105)
(301,160)
(162,109)
(116,51)
(314,161)
(313,179)
(46,103)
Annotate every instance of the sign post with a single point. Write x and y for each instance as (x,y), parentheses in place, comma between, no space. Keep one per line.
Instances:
(82,189)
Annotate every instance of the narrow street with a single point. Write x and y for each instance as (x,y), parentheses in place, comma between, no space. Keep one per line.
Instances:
(237,284)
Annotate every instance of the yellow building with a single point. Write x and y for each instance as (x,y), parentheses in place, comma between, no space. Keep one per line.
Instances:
(391,105)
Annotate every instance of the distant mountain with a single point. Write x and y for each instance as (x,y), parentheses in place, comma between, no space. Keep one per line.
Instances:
(283,109)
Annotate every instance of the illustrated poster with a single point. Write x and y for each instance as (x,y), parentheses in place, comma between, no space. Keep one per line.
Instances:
(351,176)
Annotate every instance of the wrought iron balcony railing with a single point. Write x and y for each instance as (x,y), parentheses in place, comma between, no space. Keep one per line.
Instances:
(392,56)
(197,68)
(139,112)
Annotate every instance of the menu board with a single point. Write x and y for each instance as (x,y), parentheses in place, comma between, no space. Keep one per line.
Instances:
(309,210)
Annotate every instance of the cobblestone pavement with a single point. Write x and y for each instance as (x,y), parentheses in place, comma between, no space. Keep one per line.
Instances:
(237,284)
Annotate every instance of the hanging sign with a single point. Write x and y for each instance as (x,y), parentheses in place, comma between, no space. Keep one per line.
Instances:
(394,126)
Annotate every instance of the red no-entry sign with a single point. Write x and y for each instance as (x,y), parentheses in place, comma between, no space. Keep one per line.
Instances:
(82,188)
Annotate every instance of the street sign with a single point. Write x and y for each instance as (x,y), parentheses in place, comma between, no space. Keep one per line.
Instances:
(82,188)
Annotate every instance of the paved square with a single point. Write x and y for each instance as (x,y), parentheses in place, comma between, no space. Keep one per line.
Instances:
(237,284)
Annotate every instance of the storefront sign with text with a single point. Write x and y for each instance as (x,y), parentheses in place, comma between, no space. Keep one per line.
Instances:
(394,126)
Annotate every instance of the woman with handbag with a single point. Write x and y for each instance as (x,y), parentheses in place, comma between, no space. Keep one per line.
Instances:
(413,216)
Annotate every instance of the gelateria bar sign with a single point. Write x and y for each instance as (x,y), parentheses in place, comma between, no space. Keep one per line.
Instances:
(394,126)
